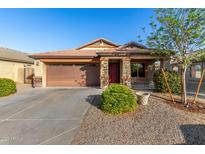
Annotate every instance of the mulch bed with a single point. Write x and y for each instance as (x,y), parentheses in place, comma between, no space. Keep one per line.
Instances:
(198,107)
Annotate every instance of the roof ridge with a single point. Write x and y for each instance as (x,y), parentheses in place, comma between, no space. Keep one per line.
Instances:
(98,39)
(11,49)
(141,46)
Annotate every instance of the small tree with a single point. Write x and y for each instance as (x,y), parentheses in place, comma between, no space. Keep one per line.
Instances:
(180,32)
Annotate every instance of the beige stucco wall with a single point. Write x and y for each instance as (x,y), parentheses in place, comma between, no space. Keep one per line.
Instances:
(40,71)
(12,70)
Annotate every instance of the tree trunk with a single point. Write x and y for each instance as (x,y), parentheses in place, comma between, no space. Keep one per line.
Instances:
(184,94)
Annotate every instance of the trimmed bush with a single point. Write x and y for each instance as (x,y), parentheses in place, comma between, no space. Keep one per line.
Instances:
(7,87)
(173,80)
(118,99)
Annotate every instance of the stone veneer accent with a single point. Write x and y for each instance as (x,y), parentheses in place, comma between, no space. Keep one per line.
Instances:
(126,71)
(104,74)
(150,71)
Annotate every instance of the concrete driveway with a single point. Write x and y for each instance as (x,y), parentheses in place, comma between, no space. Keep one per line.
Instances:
(44,115)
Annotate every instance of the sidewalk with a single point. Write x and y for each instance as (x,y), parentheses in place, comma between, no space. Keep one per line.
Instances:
(201,95)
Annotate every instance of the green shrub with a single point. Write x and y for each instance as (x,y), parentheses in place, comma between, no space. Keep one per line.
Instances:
(118,99)
(7,87)
(173,80)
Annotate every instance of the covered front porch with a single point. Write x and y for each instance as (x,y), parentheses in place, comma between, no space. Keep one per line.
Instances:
(132,71)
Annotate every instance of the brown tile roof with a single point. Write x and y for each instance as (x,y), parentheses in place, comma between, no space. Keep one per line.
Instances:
(88,53)
(132,44)
(67,53)
(15,56)
(77,53)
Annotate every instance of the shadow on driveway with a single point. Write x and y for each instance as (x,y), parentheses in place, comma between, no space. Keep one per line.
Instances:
(194,134)
(94,100)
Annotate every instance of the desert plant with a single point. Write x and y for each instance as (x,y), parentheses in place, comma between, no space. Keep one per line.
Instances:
(7,87)
(173,80)
(118,99)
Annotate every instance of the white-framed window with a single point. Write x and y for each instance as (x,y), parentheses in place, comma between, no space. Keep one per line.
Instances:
(196,71)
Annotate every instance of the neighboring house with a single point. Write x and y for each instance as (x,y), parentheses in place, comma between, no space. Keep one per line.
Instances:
(96,63)
(193,74)
(15,65)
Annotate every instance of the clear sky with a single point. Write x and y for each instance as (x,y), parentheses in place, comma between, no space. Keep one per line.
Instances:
(39,30)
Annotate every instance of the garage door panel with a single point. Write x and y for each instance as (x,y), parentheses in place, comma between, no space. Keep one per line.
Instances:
(73,75)
(92,75)
(66,83)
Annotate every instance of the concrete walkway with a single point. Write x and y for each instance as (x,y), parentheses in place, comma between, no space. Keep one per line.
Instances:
(44,115)
(200,95)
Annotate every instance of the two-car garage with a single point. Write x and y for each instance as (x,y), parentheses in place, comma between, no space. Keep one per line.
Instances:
(73,75)
(77,67)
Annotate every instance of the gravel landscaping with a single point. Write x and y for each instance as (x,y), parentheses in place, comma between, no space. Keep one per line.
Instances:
(156,123)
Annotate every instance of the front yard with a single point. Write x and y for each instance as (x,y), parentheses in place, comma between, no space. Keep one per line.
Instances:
(155,123)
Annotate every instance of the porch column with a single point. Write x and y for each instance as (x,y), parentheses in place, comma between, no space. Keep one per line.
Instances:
(126,71)
(104,76)
(150,71)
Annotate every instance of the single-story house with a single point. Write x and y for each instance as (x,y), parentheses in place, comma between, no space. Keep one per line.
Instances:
(15,65)
(193,74)
(96,63)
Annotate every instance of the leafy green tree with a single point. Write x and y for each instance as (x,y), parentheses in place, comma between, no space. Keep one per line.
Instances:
(178,32)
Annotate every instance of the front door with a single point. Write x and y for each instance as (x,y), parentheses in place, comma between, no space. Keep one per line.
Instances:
(114,72)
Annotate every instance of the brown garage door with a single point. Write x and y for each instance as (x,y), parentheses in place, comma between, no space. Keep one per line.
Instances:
(73,75)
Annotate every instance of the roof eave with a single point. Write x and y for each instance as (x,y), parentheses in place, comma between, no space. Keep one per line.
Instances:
(124,52)
(16,60)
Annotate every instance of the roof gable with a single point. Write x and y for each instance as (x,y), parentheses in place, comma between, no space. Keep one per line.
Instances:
(100,43)
(96,48)
(131,46)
